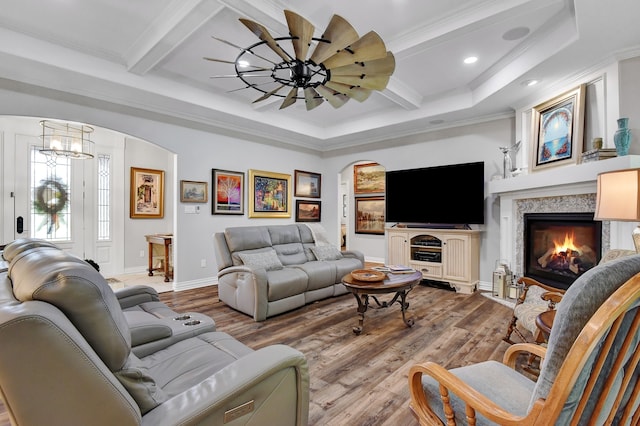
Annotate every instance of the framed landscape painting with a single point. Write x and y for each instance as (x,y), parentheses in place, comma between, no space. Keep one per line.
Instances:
(370,215)
(269,194)
(557,130)
(193,192)
(227,192)
(307,211)
(147,194)
(368,178)
(307,184)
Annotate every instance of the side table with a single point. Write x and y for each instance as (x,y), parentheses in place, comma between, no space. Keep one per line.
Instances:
(163,240)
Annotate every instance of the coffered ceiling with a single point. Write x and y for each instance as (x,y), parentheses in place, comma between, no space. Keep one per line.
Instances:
(146,57)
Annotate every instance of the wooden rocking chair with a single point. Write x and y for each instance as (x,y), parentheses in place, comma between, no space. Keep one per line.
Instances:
(589,373)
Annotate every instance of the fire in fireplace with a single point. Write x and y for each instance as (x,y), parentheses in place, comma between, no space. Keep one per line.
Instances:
(559,247)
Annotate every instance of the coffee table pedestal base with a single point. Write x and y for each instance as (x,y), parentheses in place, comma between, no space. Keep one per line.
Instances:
(363,305)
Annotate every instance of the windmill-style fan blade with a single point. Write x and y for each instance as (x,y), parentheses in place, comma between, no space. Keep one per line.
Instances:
(312,98)
(218,60)
(264,35)
(243,49)
(375,82)
(334,98)
(302,30)
(357,93)
(369,47)
(232,62)
(340,34)
(384,66)
(268,94)
(290,99)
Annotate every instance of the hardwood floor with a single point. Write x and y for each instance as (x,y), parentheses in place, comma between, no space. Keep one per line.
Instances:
(362,380)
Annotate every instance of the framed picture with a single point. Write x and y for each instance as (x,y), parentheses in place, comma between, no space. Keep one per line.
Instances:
(307,211)
(193,192)
(227,192)
(370,215)
(269,194)
(368,178)
(557,127)
(147,194)
(307,184)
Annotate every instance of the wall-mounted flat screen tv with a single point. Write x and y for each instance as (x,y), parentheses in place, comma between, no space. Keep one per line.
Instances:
(442,195)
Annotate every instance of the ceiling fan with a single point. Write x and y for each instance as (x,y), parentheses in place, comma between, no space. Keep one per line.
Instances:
(342,65)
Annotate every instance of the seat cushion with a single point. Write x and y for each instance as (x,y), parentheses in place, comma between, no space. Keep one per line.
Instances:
(286,282)
(501,384)
(191,361)
(320,274)
(344,266)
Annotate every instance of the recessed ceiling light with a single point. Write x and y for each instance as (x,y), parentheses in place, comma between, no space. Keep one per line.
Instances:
(515,33)
(530,82)
(470,60)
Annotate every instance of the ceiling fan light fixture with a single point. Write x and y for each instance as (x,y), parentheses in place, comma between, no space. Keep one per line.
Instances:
(341,65)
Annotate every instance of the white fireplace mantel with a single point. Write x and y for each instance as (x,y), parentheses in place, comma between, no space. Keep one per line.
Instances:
(562,176)
(563,187)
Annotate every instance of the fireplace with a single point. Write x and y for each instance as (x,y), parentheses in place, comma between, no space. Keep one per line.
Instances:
(559,247)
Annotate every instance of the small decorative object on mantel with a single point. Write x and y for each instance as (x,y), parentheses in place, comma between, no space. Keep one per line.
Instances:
(597,143)
(598,154)
(622,137)
(507,163)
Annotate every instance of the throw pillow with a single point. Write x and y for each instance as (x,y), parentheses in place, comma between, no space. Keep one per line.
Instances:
(326,253)
(266,259)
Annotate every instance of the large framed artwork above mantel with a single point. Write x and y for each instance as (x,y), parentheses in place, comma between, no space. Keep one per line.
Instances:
(557,128)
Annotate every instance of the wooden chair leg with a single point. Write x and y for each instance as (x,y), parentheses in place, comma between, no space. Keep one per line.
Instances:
(513,329)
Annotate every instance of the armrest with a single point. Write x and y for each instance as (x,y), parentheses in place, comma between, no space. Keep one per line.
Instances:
(449,382)
(250,288)
(135,295)
(513,351)
(527,282)
(552,297)
(354,254)
(272,383)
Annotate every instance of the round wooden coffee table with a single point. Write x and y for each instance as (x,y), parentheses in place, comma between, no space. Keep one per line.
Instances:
(400,284)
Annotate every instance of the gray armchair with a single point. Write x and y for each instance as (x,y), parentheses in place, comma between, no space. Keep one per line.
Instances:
(67,358)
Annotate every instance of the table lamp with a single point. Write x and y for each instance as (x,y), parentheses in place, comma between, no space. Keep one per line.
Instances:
(618,198)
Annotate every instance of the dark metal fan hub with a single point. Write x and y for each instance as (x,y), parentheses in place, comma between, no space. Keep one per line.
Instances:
(300,73)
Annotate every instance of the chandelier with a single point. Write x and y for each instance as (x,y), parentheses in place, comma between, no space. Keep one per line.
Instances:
(342,64)
(69,140)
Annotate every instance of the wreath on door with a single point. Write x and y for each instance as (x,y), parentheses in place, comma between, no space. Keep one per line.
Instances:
(51,198)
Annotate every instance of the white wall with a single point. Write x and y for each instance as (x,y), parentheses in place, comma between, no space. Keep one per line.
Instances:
(141,154)
(479,142)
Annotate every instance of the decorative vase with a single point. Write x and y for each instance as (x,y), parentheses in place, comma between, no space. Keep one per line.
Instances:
(622,137)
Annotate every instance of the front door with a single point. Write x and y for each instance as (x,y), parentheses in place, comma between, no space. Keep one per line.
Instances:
(49,198)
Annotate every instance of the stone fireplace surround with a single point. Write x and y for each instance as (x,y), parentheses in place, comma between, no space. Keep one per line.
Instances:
(556,190)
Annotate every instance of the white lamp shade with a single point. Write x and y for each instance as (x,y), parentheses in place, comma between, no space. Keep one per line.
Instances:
(618,195)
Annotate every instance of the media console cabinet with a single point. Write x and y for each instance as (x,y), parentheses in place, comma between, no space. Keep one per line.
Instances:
(445,255)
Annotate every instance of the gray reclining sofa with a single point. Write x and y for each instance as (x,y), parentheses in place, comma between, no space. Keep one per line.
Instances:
(267,270)
(73,352)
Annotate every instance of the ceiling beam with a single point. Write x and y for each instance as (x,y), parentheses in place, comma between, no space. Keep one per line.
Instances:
(175,24)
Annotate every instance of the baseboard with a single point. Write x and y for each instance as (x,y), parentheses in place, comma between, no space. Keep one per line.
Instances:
(189,285)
